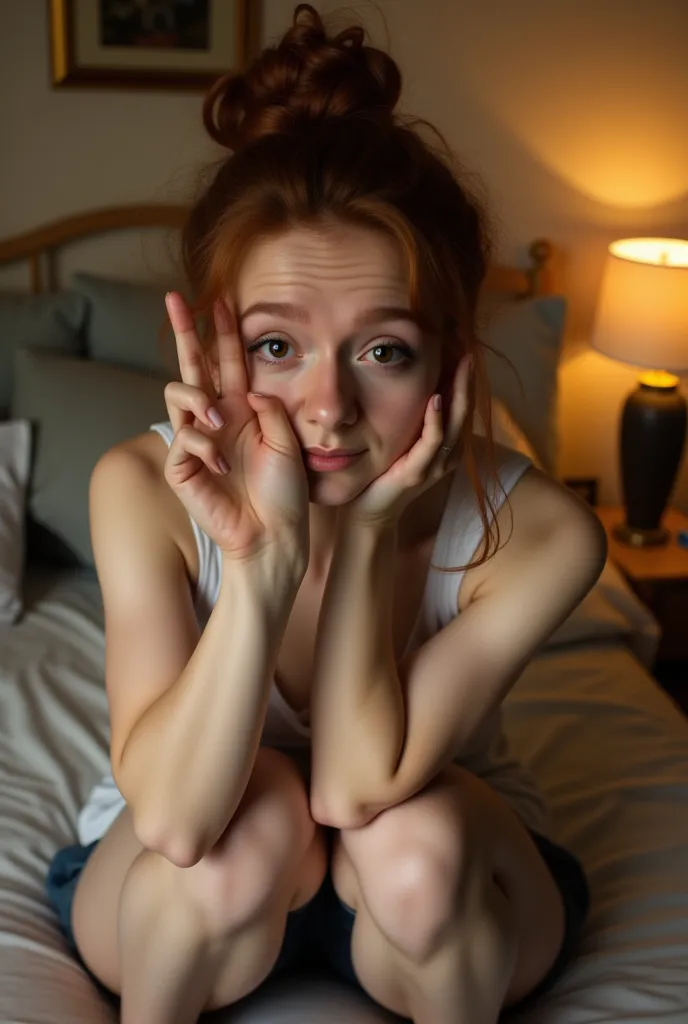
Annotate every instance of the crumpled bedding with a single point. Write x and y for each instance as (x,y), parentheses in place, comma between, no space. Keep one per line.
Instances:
(609,748)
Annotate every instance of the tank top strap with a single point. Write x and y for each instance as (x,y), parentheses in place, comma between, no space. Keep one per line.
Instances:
(461,527)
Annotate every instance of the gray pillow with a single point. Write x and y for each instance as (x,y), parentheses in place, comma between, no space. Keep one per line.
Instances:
(79,409)
(530,334)
(127,323)
(50,321)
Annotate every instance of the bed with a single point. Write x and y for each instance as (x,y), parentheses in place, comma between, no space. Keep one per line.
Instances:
(609,748)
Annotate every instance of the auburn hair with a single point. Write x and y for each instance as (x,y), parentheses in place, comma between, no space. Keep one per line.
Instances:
(314,136)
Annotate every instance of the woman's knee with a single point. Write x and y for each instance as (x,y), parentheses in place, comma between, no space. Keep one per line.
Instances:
(270,851)
(272,828)
(416,878)
(276,802)
(261,857)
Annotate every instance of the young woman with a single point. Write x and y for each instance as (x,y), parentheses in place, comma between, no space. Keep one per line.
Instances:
(311,621)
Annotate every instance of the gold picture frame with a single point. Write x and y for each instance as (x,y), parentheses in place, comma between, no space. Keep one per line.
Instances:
(171,44)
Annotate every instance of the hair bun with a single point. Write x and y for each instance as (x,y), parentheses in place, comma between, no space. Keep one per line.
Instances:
(307,78)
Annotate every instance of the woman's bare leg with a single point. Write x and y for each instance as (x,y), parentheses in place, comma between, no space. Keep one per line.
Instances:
(175,941)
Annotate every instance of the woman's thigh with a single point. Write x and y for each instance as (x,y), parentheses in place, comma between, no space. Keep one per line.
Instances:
(459,808)
(95,909)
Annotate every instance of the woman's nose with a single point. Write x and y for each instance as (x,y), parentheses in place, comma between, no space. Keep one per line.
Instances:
(329,396)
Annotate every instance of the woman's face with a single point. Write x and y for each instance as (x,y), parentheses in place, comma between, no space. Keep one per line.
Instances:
(327,327)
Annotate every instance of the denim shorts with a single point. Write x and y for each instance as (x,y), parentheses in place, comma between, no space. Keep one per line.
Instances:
(318,934)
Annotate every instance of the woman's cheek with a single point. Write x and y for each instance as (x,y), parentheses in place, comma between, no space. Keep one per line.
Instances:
(406,417)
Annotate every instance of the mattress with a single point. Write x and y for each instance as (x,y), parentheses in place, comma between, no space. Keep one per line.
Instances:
(609,748)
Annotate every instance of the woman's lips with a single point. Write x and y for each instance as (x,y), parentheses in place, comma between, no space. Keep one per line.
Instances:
(329,463)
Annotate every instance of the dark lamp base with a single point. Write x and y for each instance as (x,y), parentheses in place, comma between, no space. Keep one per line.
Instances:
(641,538)
(653,431)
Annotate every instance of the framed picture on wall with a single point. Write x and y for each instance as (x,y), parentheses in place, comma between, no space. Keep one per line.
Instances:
(167,44)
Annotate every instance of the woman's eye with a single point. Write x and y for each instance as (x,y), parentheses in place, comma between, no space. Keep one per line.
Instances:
(275,349)
(384,355)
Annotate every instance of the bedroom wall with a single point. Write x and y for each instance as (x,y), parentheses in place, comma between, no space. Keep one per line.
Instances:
(573,113)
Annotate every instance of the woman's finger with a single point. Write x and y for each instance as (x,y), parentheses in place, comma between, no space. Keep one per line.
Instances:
(185,402)
(417,460)
(189,452)
(230,352)
(459,404)
(433,433)
(192,361)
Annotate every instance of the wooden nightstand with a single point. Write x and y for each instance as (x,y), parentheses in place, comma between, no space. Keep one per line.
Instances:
(659,576)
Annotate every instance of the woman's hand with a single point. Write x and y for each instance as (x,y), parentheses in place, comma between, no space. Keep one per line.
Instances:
(240,477)
(427,461)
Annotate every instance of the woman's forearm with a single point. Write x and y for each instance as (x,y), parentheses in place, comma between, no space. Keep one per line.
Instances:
(187,762)
(358,716)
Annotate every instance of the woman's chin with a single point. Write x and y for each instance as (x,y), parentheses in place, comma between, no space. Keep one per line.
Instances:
(324,489)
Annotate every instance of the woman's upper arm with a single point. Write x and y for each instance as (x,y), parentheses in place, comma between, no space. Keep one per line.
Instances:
(151,628)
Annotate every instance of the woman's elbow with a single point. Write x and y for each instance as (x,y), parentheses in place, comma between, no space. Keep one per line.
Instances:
(340,811)
(181,849)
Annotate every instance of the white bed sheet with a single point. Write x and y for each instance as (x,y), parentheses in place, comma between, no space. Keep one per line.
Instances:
(608,746)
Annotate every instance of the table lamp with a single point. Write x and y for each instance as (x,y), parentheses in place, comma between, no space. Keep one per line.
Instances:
(642,319)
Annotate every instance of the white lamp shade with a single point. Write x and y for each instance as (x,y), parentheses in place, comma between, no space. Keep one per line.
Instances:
(642,314)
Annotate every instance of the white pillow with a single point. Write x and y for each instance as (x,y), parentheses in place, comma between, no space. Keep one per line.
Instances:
(15,463)
(529,332)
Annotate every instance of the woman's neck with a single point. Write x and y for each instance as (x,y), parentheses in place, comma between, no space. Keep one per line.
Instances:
(420,520)
(323,528)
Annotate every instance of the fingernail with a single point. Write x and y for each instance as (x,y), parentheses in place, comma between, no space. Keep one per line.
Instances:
(257,394)
(216,417)
(437,402)
(222,465)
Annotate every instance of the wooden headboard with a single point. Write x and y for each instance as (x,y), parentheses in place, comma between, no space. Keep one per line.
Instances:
(40,247)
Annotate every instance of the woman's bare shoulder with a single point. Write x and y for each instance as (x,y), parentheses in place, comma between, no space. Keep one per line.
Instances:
(542,503)
(139,463)
(540,508)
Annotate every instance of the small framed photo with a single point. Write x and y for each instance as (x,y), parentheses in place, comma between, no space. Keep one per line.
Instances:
(165,44)
(585,487)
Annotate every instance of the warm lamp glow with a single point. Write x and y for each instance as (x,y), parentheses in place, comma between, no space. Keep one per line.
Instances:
(642,314)
(659,252)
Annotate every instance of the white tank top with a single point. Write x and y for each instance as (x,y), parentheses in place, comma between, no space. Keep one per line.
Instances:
(459,534)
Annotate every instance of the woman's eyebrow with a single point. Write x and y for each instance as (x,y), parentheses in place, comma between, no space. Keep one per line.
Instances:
(290,311)
(287,310)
